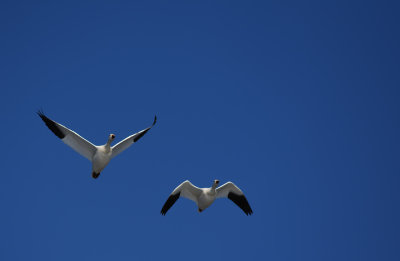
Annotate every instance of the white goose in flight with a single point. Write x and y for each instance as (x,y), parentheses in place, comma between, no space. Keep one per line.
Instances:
(204,197)
(100,156)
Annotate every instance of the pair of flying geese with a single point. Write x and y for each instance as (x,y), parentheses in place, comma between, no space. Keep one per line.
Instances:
(100,156)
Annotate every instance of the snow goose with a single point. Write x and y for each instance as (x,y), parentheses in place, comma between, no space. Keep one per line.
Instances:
(100,156)
(204,197)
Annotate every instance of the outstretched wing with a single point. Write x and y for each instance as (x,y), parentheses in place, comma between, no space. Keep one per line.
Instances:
(69,137)
(231,191)
(185,189)
(127,142)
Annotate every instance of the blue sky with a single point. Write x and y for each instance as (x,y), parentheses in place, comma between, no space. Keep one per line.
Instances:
(295,102)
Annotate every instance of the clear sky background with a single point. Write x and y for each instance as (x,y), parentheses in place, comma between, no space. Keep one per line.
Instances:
(297,102)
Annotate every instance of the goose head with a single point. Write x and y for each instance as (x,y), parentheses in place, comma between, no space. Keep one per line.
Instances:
(215,183)
(111,137)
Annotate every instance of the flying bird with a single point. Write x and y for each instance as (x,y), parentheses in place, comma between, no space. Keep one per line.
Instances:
(204,197)
(101,155)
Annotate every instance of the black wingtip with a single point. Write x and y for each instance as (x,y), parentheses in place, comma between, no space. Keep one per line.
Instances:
(168,204)
(242,202)
(155,120)
(141,134)
(40,113)
(51,125)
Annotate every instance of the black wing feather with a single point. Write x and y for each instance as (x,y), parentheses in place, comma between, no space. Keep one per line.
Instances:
(146,130)
(241,201)
(51,125)
(170,201)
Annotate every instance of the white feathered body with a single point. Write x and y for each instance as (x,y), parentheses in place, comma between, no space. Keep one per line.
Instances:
(206,198)
(101,158)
